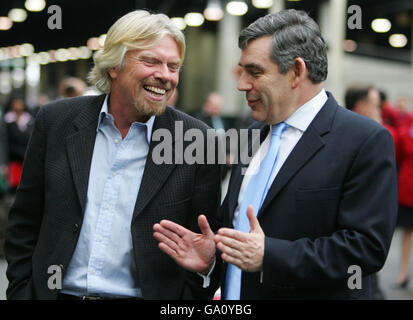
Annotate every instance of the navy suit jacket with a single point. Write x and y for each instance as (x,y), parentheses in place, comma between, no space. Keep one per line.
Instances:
(332,205)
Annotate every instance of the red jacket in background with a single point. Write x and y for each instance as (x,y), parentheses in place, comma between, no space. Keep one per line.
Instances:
(405,160)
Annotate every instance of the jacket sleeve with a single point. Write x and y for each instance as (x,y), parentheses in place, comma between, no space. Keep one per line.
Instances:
(206,200)
(366,218)
(25,216)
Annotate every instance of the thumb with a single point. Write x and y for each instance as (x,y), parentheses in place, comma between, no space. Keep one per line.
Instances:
(204,226)
(254,224)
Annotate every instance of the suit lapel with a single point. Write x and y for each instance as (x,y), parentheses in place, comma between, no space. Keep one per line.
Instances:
(310,143)
(155,175)
(80,146)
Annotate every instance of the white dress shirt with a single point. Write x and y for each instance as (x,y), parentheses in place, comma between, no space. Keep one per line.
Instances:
(298,123)
(103,263)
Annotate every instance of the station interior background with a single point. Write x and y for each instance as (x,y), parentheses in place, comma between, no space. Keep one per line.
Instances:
(36,58)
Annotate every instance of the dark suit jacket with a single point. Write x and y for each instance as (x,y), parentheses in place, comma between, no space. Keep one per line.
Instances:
(46,217)
(332,205)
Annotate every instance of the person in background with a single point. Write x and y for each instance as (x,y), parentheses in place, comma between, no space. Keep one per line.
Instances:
(405,116)
(19,125)
(4,185)
(367,101)
(405,216)
(211,114)
(212,110)
(4,151)
(389,113)
(71,87)
(91,189)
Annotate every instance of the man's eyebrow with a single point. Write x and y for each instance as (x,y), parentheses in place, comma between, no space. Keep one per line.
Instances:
(155,57)
(251,66)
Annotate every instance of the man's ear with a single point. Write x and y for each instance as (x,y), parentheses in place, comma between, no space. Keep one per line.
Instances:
(113,72)
(299,72)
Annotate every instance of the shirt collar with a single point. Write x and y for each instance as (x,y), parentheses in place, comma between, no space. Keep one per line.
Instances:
(105,111)
(304,115)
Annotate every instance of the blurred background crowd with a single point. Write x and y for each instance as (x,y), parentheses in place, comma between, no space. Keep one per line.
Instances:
(370,72)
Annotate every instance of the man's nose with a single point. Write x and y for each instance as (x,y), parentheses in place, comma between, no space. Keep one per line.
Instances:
(163,73)
(243,83)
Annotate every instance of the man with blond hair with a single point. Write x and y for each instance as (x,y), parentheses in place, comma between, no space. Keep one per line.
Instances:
(81,224)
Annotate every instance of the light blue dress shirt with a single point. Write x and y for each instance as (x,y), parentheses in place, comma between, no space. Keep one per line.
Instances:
(103,262)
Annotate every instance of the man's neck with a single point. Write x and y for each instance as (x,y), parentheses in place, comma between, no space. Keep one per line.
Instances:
(124,114)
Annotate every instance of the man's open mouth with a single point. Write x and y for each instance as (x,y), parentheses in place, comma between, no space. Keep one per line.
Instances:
(155,90)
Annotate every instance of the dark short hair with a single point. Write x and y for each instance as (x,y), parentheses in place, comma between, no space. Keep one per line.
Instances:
(355,94)
(294,34)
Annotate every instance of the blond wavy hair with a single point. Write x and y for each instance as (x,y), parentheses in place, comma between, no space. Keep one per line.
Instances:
(136,30)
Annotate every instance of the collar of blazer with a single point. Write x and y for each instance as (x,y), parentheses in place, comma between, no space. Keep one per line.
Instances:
(309,144)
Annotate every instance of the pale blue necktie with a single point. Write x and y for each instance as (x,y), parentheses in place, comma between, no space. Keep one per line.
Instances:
(254,195)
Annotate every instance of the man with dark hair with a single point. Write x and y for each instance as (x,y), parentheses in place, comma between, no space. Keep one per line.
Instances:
(314,215)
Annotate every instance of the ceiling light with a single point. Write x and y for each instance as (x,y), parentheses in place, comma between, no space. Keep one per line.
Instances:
(398,40)
(75,53)
(35,5)
(44,57)
(263,4)
(213,11)
(93,43)
(194,19)
(179,22)
(85,52)
(26,49)
(17,15)
(62,55)
(381,25)
(5,23)
(237,8)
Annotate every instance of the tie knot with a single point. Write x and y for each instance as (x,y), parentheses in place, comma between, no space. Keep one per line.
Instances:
(279,129)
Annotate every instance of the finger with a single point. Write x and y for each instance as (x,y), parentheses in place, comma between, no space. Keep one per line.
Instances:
(174,227)
(254,223)
(163,239)
(204,226)
(234,234)
(228,250)
(169,251)
(230,242)
(230,259)
(167,233)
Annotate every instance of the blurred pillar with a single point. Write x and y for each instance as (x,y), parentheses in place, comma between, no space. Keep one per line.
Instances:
(228,57)
(32,83)
(277,6)
(333,27)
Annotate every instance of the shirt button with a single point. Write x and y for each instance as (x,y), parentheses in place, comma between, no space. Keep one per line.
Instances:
(116,141)
(75,227)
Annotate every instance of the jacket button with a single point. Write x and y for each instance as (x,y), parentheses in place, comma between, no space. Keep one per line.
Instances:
(75,227)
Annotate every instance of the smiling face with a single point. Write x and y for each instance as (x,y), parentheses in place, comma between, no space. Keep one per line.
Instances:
(148,78)
(268,92)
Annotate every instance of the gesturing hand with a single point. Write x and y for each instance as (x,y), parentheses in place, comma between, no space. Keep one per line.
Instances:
(244,250)
(192,251)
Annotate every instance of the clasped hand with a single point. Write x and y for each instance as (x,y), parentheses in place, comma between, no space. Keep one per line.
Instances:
(195,252)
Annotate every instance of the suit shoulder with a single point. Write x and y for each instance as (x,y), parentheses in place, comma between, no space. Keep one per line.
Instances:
(356,123)
(188,120)
(70,105)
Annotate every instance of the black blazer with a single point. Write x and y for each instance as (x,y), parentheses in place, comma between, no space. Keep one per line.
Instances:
(332,205)
(46,217)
